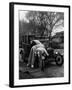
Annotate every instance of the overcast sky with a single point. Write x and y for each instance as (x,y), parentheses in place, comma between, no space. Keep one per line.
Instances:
(55,29)
(23,15)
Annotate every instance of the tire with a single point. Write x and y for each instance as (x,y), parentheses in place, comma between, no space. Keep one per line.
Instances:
(59,60)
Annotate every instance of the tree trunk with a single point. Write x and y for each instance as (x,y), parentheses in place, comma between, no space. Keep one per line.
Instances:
(50,39)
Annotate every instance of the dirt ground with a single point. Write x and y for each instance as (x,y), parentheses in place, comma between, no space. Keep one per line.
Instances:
(51,70)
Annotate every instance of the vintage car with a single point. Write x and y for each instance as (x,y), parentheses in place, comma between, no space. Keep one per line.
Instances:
(26,46)
(53,56)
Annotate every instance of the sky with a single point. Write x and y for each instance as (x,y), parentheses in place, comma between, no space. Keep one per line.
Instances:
(58,29)
(55,29)
(23,15)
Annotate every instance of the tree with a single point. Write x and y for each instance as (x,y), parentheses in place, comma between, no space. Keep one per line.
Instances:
(42,21)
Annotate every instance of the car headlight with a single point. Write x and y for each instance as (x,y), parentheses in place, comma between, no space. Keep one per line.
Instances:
(56,52)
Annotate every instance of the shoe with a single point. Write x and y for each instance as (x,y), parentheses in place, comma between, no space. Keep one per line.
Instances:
(32,66)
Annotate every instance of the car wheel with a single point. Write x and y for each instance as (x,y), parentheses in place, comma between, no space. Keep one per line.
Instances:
(59,60)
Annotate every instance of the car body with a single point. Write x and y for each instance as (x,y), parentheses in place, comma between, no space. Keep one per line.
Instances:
(53,56)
